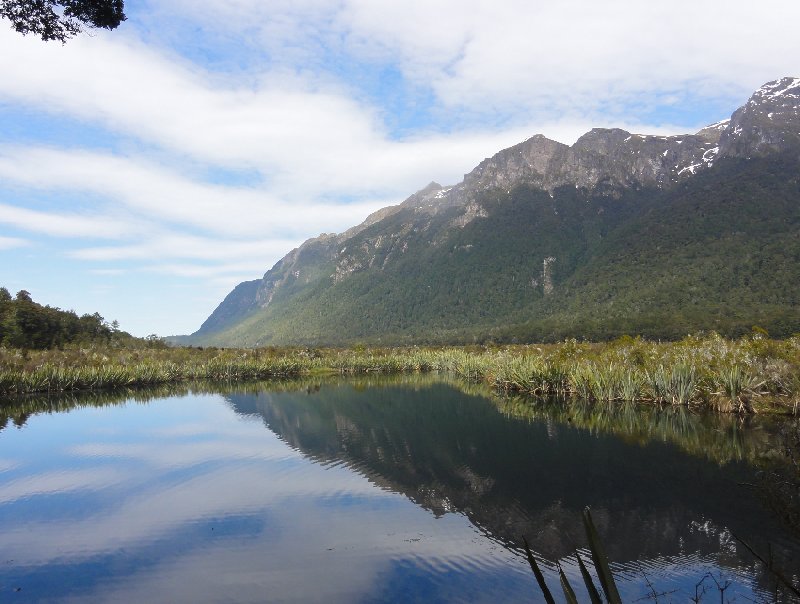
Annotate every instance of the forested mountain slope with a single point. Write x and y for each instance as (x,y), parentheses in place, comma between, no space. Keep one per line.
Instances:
(618,233)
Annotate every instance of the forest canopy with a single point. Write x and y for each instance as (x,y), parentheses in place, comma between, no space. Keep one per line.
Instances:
(61,19)
(27,324)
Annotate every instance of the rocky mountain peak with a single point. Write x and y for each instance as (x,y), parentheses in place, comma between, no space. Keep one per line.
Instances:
(601,140)
(713,132)
(785,92)
(530,160)
(611,157)
(768,122)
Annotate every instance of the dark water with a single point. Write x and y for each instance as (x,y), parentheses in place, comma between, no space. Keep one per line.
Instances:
(371,492)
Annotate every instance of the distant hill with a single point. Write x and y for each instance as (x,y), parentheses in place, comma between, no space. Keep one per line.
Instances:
(618,233)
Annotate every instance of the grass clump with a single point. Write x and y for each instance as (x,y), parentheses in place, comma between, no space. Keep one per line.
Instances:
(747,375)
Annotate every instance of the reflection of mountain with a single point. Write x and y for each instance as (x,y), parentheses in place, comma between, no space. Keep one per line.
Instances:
(448,451)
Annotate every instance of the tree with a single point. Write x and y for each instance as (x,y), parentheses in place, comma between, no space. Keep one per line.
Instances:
(61,19)
(6,306)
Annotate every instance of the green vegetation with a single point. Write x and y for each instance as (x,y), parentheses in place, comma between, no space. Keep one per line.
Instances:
(105,368)
(729,375)
(719,252)
(61,19)
(27,324)
(745,375)
(601,565)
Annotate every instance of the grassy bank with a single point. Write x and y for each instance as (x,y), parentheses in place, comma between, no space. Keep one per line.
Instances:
(745,375)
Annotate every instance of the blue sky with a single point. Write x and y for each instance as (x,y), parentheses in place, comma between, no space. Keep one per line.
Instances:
(145,172)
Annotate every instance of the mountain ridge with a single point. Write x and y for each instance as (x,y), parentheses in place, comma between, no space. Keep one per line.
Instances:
(612,170)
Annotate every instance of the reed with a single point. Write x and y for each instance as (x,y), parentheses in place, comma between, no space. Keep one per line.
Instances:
(631,385)
(675,385)
(752,373)
(604,382)
(601,565)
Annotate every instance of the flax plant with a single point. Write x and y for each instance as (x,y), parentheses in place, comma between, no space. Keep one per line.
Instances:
(702,369)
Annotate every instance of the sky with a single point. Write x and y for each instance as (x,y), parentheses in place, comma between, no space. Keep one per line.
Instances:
(146,171)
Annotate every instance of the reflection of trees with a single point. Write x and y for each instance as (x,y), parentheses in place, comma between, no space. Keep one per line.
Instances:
(721,438)
(17,409)
(779,480)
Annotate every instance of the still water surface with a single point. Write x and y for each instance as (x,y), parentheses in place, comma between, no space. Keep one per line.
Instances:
(369,492)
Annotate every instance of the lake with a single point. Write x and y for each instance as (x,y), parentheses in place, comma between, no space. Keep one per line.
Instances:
(372,490)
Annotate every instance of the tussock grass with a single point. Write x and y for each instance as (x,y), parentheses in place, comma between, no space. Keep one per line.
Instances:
(746,375)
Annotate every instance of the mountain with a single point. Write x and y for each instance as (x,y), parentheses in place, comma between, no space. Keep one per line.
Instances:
(617,233)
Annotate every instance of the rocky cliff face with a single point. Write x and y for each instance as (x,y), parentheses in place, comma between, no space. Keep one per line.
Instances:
(601,157)
(242,300)
(601,162)
(767,123)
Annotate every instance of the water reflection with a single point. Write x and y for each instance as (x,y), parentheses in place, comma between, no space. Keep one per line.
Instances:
(718,437)
(366,490)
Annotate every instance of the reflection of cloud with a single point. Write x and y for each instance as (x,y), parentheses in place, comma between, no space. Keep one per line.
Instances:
(182,455)
(347,523)
(54,483)
(330,556)
(7,464)
(323,532)
(218,573)
(172,500)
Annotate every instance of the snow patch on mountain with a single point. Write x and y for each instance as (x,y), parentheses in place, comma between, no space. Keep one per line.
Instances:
(780,87)
(720,125)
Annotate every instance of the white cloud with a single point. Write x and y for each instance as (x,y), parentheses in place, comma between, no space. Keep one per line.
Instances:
(108,272)
(65,224)
(578,53)
(308,140)
(219,264)
(7,243)
(185,246)
(166,196)
(295,104)
(305,141)
(228,274)
(534,58)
